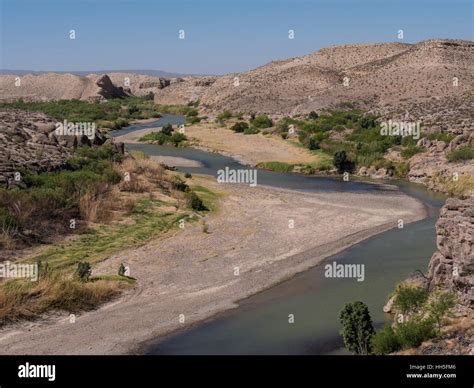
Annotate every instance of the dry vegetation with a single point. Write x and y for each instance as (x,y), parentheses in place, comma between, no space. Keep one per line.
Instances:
(145,202)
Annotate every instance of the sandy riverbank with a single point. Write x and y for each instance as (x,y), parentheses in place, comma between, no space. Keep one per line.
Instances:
(195,273)
(247,149)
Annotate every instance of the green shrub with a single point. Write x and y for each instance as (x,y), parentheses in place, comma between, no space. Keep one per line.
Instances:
(165,137)
(407,153)
(240,127)
(341,161)
(83,271)
(167,129)
(251,130)
(262,121)
(414,331)
(194,202)
(313,143)
(463,153)
(385,341)
(193,120)
(441,136)
(221,117)
(178,184)
(121,270)
(401,169)
(192,112)
(312,115)
(177,138)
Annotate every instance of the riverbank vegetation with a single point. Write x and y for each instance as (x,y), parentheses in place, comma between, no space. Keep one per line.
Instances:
(417,316)
(353,133)
(167,135)
(75,218)
(108,115)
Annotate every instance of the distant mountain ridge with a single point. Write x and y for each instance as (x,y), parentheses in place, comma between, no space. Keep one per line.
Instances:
(152,73)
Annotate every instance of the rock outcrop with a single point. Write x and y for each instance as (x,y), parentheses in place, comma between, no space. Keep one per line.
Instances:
(452,265)
(28,141)
(53,86)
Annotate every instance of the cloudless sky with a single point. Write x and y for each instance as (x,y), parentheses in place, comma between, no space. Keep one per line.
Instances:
(220,36)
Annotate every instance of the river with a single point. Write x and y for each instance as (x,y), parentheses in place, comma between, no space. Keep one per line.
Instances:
(259,325)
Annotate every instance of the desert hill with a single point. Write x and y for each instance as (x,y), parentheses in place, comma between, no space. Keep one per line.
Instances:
(376,75)
(393,79)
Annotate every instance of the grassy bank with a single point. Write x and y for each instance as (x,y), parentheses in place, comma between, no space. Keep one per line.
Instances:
(115,203)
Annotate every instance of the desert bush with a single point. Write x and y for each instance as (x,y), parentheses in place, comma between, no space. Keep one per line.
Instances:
(439,306)
(240,127)
(385,341)
(177,138)
(251,130)
(83,271)
(165,136)
(178,184)
(226,115)
(313,143)
(121,270)
(413,332)
(441,136)
(342,162)
(410,151)
(167,129)
(194,202)
(463,153)
(261,122)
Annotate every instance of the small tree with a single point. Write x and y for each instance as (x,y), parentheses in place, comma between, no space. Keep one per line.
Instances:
(313,115)
(167,129)
(121,270)
(340,160)
(313,143)
(410,299)
(440,307)
(357,329)
(83,271)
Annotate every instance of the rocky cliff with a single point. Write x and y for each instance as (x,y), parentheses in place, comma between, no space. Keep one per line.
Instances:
(452,265)
(28,141)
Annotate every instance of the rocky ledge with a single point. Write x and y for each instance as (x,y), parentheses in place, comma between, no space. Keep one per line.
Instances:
(28,141)
(452,265)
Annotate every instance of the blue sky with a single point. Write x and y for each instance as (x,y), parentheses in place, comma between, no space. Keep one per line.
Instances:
(220,36)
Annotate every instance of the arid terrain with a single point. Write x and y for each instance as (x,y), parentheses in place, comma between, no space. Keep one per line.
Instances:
(430,82)
(193,272)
